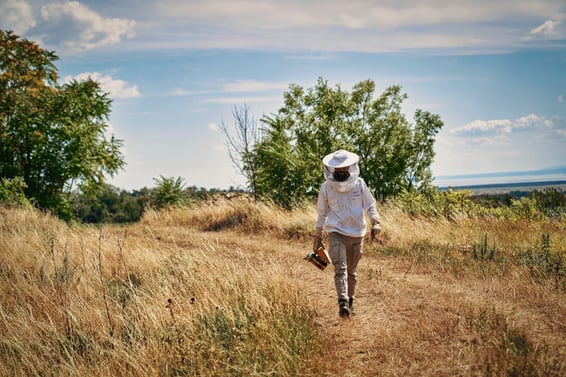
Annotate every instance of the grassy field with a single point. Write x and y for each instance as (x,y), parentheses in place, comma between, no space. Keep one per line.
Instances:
(222,289)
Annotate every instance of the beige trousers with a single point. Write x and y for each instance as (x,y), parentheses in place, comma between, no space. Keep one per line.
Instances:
(345,253)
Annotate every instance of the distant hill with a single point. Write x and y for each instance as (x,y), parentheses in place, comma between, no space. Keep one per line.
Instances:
(505,181)
(498,188)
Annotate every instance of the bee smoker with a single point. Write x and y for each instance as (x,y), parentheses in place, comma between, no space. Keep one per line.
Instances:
(319,258)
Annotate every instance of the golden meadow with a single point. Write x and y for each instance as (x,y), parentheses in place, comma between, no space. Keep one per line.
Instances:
(221,289)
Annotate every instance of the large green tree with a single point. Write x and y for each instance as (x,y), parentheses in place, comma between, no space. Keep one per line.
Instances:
(395,154)
(53,136)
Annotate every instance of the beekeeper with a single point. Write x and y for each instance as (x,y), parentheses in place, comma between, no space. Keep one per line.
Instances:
(342,201)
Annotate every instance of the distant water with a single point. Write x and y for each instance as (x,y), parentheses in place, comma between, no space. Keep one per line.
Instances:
(538,178)
(498,188)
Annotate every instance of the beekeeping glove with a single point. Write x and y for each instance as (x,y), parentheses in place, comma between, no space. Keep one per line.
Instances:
(317,242)
(375,228)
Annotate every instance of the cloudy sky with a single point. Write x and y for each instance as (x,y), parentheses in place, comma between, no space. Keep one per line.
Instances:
(495,71)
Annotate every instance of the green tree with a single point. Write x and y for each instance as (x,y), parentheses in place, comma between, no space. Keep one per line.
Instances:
(169,192)
(395,154)
(110,205)
(52,136)
(280,176)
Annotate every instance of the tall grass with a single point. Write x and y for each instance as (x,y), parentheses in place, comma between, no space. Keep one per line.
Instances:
(239,214)
(221,289)
(99,301)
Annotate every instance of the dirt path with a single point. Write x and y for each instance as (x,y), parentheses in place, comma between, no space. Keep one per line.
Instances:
(407,324)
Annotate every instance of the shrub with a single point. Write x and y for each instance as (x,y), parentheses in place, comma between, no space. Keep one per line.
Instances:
(551,201)
(543,262)
(12,192)
(433,202)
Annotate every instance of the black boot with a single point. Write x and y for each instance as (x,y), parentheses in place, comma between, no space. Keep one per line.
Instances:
(351,303)
(344,309)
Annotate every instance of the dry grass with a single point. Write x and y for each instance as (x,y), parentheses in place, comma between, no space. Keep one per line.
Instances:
(221,289)
(144,300)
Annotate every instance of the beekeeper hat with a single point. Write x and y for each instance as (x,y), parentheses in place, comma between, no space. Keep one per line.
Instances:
(339,159)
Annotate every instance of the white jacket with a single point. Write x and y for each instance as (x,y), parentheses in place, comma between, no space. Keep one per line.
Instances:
(343,212)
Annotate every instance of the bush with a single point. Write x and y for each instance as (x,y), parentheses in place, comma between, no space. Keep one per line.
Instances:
(12,193)
(551,201)
(434,202)
(169,192)
(543,262)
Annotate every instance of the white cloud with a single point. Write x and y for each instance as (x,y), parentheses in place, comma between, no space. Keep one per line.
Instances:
(356,14)
(77,27)
(491,141)
(180,92)
(213,127)
(16,15)
(499,125)
(239,86)
(240,100)
(293,25)
(253,86)
(560,98)
(116,88)
(547,28)
(532,120)
(504,126)
(357,25)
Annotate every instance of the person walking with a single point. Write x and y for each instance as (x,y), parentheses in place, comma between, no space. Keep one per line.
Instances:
(343,200)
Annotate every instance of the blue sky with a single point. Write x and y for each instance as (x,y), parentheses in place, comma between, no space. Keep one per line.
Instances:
(495,72)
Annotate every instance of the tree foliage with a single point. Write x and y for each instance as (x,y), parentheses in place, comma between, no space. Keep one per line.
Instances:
(113,205)
(12,193)
(395,154)
(110,205)
(52,136)
(168,192)
(551,201)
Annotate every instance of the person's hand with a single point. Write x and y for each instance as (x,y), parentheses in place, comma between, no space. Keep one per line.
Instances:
(317,241)
(375,230)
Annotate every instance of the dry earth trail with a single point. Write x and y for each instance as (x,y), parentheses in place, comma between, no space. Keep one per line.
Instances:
(410,321)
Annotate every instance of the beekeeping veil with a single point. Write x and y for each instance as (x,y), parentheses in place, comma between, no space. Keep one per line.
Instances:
(341,159)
